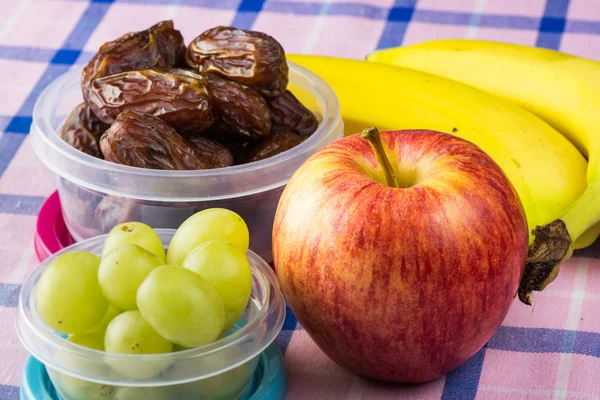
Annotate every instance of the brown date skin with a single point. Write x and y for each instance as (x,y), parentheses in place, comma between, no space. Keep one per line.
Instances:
(159,46)
(79,203)
(276,143)
(218,154)
(83,129)
(179,97)
(141,140)
(249,57)
(239,150)
(114,210)
(240,112)
(288,113)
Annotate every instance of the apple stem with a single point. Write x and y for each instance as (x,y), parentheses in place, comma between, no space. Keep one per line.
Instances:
(374,139)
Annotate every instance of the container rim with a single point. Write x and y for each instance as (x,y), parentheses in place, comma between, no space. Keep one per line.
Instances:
(271,305)
(52,147)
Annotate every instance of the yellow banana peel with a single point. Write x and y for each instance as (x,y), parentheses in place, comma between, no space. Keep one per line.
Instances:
(562,89)
(523,145)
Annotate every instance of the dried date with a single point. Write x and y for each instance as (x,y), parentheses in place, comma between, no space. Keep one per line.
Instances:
(276,143)
(178,97)
(239,150)
(112,211)
(252,58)
(240,112)
(159,46)
(141,140)
(218,154)
(83,129)
(287,112)
(79,204)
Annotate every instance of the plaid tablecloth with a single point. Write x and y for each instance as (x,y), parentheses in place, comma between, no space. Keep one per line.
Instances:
(550,352)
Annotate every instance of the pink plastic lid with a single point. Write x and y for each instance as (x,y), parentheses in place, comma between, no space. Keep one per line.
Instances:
(51,234)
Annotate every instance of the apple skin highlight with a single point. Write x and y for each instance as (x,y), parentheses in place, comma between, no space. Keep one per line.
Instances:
(400,284)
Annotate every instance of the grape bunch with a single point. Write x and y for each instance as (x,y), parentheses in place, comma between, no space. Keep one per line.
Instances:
(138,299)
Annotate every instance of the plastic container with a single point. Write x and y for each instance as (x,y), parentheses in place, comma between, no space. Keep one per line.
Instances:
(221,370)
(268,382)
(96,194)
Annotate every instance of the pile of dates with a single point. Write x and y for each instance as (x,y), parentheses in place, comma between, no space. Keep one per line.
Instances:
(151,102)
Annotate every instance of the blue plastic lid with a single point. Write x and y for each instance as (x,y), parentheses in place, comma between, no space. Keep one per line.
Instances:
(269,382)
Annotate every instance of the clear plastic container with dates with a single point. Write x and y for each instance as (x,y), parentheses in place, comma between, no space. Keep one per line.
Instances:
(96,195)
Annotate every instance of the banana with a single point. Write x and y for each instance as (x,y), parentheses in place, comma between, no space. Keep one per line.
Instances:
(523,145)
(562,89)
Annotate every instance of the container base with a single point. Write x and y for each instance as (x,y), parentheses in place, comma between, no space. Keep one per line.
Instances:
(268,383)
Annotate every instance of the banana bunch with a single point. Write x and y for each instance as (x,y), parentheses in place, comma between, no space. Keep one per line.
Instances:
(547,171)
(562,89)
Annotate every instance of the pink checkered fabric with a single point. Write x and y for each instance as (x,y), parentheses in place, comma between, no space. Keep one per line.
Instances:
(550,352)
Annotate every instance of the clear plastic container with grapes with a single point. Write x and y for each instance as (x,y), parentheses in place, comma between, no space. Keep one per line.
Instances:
(153,314)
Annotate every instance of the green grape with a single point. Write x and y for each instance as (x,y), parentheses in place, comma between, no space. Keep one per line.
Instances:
(101,327)
(91,391)
(129,333)
(177,347)
(209,224)
(72,388)
(181,306)
(122,271)
(134,233)
(92,340)
(68,296)
(146,393)
(227,269)
(224,386)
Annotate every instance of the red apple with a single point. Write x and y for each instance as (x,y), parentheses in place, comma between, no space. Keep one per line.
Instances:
(400,278)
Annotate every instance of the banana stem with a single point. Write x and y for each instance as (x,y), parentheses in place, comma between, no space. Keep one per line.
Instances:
(551,246)
(553,243)
(374,139)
